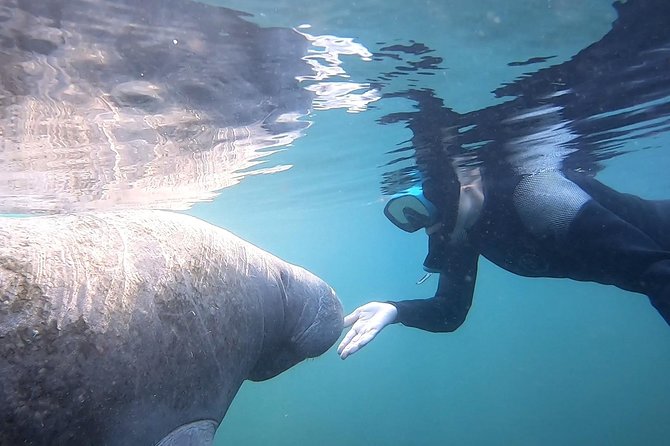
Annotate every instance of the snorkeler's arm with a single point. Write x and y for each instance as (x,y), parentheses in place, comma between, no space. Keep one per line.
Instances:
(446,311)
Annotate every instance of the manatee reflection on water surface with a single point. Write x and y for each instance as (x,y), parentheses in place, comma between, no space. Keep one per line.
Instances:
(152,104)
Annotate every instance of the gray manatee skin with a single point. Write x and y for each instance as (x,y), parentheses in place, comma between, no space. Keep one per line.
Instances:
(118,328)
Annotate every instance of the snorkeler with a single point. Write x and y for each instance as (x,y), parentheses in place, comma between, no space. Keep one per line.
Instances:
(528,202)
(515,181)
(543,224)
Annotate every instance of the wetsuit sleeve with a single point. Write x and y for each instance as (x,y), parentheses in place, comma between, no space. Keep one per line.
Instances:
(446,311)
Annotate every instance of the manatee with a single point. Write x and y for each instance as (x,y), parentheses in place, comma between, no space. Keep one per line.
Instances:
(138,327)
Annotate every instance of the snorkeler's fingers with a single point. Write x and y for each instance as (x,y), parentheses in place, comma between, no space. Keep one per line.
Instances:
(352,335)
(359,341)
(350,350)
(347,339)
(352,317)
(359,327)
(363,338)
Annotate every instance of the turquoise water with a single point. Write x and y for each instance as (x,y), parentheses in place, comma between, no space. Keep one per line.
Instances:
(538,361)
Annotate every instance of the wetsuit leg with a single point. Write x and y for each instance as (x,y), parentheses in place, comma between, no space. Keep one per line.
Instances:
(602,246)
(650,216)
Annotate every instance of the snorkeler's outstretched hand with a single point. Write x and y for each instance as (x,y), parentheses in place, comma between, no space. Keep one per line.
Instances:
(367,321)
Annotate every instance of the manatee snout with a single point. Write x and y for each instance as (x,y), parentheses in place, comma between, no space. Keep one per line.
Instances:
(313,321)
(322,325)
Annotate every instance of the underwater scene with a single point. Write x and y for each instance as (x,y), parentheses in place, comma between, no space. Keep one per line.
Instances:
(305,222)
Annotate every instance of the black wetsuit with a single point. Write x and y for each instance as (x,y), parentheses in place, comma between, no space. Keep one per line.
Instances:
(612,238)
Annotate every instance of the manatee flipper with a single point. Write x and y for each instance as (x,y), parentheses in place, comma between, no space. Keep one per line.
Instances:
(198,433)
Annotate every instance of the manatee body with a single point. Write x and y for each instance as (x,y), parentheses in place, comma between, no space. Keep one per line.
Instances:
(138,328)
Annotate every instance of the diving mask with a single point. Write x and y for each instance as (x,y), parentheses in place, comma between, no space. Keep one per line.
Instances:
(411,211)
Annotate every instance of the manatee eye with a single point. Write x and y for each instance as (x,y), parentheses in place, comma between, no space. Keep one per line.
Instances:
(40,46)
(196,93)
(136,94)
